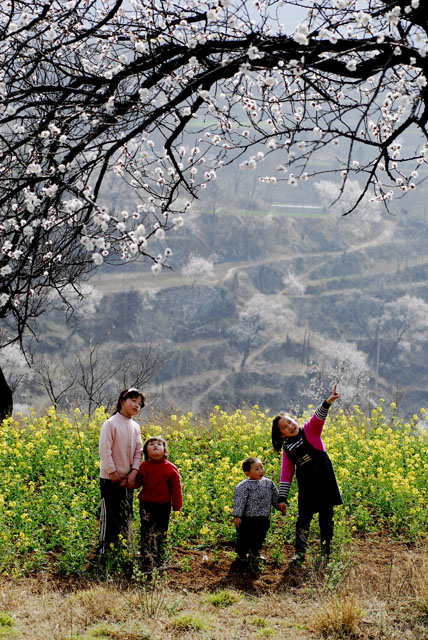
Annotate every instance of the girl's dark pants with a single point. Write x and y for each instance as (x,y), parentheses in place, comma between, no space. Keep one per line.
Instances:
(154,519)
(325,518)
(251,535)
(115,514)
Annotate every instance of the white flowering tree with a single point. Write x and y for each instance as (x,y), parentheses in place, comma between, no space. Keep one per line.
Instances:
(403,325)
(293,284)
(259,319)
(336,362)
(343,364)
(163,93)
(198,270)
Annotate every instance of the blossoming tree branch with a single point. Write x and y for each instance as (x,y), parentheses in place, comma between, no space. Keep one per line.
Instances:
(162,94)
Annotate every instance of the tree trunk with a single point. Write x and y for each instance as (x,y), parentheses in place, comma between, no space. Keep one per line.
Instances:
(6,397)
(244,358)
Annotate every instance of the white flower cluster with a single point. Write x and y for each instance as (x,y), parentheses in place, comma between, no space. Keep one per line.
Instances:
(301,34)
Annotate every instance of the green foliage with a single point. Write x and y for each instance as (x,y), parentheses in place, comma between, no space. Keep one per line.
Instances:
(49,490)
(223,598)
(5,619)
(189,622)
(259,622)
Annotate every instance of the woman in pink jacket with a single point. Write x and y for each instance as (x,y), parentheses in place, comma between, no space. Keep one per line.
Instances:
(304,454)
(120,449)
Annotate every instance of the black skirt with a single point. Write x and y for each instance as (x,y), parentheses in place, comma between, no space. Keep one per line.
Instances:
(315,476)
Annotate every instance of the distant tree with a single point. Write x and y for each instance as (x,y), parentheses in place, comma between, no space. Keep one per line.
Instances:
(198,270)
(340,198)
(404,325)
(259,319)
(393,329)
(293,284)
(163,94)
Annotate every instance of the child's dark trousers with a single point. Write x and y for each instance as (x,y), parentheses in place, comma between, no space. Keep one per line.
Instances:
(251,535)
(154,520)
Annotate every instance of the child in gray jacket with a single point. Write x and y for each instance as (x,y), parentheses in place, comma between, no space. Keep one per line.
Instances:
(253,500)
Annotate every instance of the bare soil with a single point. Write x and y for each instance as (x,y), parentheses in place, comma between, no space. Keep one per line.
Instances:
(376,564)
(374,595)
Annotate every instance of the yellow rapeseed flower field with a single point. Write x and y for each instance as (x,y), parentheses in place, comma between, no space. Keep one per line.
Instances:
(49,491)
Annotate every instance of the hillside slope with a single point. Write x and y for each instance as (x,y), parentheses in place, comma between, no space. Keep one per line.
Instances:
(345,285)
(329,278)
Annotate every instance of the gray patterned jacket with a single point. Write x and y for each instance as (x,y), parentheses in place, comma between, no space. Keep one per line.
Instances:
(254,498)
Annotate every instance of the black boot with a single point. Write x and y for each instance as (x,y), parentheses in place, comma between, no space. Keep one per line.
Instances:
(325,551)
(301,546)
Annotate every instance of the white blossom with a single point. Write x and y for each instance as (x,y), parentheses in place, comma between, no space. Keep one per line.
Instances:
(97,258)
(364,19)
(34,168)
(4,297)
(301,34)
(178,222)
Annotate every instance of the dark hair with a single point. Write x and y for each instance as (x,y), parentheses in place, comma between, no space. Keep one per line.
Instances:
(151,439)
(130,393)
(277,437)
(248,463)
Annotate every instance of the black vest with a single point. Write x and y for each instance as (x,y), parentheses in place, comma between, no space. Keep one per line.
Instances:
(314,473)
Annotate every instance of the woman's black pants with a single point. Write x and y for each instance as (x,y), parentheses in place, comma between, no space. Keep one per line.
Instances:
(325,518)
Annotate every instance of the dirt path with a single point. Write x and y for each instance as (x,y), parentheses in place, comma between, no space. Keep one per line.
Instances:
(116,280)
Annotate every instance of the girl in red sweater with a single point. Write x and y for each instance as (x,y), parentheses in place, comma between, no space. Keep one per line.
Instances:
(161,491)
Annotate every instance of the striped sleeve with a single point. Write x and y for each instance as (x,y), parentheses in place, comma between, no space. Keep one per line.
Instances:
(321,412)
(284,490)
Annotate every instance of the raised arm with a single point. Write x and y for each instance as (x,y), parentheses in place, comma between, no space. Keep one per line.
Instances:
(313,428)
(333,396)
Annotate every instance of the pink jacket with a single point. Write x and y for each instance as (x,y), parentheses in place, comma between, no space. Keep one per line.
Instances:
(120,446)
(313,430)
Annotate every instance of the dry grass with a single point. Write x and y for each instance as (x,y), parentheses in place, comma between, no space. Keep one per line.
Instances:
(420,587)
(383,597)
(338,617)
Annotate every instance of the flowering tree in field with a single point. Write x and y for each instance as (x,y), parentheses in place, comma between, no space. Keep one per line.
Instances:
(161,94)
(343,364)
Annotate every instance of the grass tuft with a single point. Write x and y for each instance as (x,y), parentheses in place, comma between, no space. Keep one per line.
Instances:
(186,622)
(223,598)
(5,620)
(338,617)
(259,622)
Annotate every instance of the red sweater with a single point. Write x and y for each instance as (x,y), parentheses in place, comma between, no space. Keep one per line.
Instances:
(161,483)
